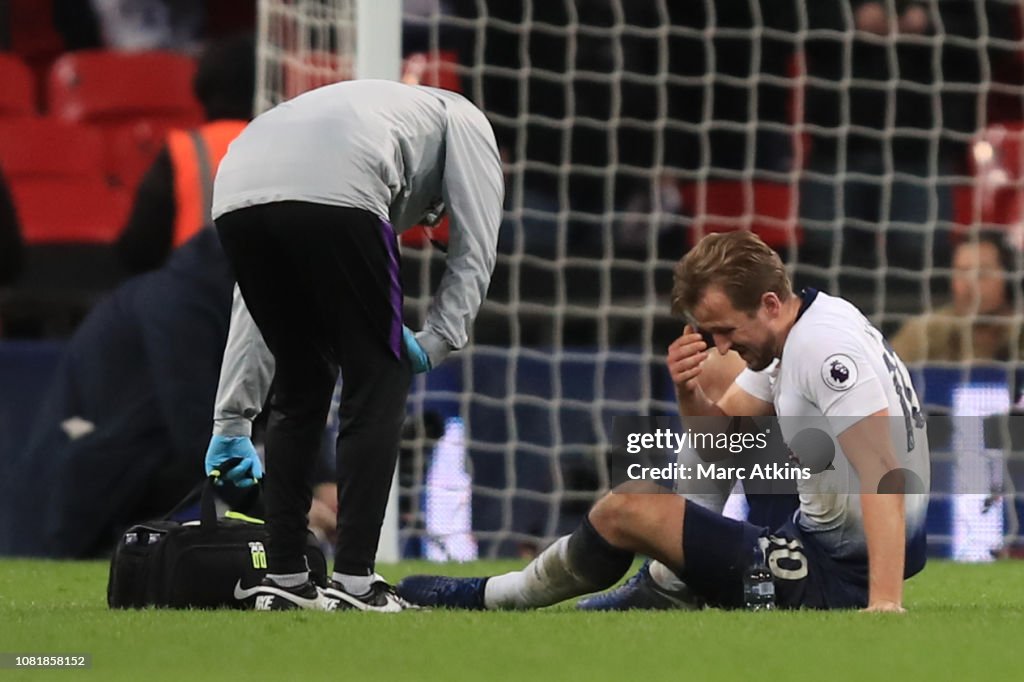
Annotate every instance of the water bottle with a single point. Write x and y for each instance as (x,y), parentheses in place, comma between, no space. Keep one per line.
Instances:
(758,588)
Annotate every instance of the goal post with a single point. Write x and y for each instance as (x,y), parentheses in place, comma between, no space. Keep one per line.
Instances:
(303,44)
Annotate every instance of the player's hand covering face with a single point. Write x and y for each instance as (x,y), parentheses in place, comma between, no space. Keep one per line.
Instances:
(749,334)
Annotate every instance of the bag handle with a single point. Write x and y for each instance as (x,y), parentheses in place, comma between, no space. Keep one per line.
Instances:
(208,505)
(206,493)
(187,501)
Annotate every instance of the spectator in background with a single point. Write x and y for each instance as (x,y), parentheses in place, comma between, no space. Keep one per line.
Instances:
(726,107)
(131,24)
(733,69)
(530,219)
(170,204)
(121,434)
(888,113)
(11,248)
(120,437)
(980,323)
(654,214)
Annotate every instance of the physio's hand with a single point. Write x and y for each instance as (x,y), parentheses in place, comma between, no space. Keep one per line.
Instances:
(418,356)
(233,459)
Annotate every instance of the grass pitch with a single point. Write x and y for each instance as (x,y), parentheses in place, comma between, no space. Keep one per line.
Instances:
(965,622)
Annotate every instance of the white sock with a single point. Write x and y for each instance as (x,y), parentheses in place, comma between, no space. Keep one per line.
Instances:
(665,577)
(289,579)
(355,585)
(546,580)
(681,593)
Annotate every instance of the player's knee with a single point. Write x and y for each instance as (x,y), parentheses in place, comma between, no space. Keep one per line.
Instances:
(615,515)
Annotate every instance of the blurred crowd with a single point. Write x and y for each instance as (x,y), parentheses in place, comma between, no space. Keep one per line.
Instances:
(846,132)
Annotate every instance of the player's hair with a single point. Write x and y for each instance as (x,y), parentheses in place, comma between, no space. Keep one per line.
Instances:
(744,266)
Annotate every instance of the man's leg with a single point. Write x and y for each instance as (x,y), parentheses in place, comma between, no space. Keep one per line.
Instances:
(374,392)
(709,552)
(376,375)
(300,399)
(594,557)
(362,313)
(656,586)
(265,245)
(598,553)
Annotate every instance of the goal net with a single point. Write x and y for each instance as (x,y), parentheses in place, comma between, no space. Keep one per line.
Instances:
(862,143)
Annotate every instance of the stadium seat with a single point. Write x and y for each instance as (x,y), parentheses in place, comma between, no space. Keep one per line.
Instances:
(18,94)
(995,193)
(418,236)
(34,37)
(98,86)
(54,169)
(134,98)
(766,208)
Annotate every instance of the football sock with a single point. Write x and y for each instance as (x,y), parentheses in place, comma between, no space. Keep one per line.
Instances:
(665,578)
(289,579)
(356,585)
(575,564)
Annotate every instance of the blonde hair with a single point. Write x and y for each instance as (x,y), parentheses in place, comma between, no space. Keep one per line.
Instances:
(739,262)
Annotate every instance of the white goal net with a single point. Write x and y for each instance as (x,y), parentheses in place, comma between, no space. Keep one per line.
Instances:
(862,140)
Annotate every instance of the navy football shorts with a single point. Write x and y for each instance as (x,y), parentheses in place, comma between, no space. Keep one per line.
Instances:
(717,551)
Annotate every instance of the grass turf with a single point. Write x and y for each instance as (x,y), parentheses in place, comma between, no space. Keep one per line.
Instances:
(964,622)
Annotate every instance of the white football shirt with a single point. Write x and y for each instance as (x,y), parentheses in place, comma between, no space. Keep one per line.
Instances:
(836,369)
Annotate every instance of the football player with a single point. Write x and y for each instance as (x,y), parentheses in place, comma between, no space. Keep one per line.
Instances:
(811,359)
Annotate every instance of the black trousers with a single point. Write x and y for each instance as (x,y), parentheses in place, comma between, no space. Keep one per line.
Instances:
(323,286)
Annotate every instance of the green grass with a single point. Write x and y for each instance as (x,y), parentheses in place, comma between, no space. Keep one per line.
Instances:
(965,622)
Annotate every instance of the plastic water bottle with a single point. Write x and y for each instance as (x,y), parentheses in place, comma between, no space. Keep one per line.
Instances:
(758,588)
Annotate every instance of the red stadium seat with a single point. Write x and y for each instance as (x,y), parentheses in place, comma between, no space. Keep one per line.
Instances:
(18,94)
(54,169)
(134,98)
(766,208)
(418,236)
(995,194)
(33,35)
(99,86)
(132,146)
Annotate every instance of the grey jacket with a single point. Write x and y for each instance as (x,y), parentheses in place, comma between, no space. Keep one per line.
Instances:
(394,150)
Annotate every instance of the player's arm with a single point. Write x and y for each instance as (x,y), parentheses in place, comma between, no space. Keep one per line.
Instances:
(706,389)
(473,190)
(696,373)
(856,406)
(245,374)
(718,372)
(868,447)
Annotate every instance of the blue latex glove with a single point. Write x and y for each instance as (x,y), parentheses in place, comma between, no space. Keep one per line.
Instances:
(233,459)
(418,356)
